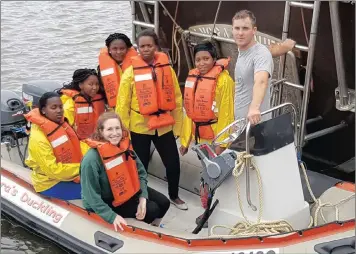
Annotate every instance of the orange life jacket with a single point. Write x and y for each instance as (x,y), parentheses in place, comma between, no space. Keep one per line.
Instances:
(110,75)
(155,90)
(86,113)
(199,99)
(120,166)
(63,139)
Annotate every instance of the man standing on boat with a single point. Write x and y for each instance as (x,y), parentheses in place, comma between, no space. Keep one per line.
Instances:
(254,68)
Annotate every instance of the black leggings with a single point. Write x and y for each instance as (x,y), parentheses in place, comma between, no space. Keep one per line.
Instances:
(167,148)
(156,206)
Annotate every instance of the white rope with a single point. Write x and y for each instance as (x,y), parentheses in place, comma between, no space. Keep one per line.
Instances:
(319,205)
(248,228)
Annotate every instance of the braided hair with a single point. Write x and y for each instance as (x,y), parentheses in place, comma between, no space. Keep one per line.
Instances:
(118,36)
(78,77)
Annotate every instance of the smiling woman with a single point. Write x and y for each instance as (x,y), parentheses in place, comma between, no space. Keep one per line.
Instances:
(83,102)
(58,38)
(114,181)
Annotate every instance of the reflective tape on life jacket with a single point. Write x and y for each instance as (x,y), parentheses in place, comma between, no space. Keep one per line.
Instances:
(155,90)
(121,169)
(86,113)
(64,141)
(199,99)
(110,75)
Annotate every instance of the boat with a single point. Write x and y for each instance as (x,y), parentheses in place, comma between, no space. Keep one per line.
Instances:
(263,199)
(318,76)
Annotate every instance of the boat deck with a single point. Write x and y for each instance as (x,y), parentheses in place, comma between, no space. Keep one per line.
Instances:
(178,222)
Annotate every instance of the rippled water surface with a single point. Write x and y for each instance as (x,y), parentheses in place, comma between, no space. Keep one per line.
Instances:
(48,41)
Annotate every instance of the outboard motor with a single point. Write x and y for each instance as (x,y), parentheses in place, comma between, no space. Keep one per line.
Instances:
(12,119)
(32,91)
(13,123)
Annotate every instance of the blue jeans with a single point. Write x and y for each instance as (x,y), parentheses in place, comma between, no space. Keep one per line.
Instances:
(64,190)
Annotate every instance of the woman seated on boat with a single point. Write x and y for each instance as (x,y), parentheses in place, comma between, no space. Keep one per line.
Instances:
(113,179)
(150,105)
(113,61)
(82,102)
(54,150)
(208,98)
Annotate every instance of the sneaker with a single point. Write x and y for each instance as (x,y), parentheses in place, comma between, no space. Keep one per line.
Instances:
(180,204)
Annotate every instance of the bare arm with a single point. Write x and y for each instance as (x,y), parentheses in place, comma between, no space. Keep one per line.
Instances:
(263,69)
(259,89)
(280,49)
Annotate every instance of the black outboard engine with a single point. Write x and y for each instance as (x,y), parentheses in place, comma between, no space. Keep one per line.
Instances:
(12,120)
(32,91)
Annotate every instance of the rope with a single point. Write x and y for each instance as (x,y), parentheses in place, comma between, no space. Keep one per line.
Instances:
(215,19)
(248,228)
(180,30)
(319,205)
(175,44)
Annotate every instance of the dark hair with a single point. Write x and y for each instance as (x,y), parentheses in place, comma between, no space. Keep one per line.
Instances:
(206,46)
(100,126)
(79,76)
(245,14)
(44,98)
(118,36)
(148,32)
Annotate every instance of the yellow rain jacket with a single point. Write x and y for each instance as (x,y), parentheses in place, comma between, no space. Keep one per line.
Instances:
(68,108)
(46,172)
(127,104)
(224,97)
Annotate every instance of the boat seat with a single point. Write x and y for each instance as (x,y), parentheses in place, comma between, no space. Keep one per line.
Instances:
(319,183)
(334,195)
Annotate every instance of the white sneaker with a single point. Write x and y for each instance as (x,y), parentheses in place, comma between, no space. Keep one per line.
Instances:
(182,206)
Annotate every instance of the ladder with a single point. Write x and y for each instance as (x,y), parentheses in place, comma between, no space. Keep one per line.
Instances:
(276,100)
(147,22)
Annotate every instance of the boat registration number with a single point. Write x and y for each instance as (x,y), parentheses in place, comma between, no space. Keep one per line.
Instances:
(251,251)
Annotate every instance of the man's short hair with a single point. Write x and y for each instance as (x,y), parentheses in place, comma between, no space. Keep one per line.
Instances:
(245,14)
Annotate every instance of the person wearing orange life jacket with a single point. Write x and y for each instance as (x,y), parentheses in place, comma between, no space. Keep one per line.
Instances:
(82,102)
(114,59)
(54,150)
(113,179)
(150,105)
(208,99)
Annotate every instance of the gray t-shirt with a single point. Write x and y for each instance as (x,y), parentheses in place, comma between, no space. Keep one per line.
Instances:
(257,58)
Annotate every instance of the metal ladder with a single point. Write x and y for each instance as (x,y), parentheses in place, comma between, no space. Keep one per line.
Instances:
(310,49)
(147,23)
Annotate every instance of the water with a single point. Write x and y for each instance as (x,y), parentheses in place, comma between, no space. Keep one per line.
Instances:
(50,40)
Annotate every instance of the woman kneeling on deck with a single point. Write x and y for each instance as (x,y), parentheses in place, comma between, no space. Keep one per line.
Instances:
(54,150)
(114,180)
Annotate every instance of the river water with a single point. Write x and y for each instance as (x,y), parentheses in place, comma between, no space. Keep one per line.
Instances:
(49,41)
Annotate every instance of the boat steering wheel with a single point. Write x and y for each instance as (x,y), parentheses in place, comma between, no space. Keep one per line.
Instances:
(236,128)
